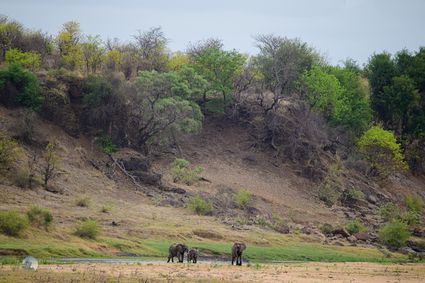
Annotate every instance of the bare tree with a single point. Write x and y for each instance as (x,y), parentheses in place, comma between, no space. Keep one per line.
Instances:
(151,49)
(51,162)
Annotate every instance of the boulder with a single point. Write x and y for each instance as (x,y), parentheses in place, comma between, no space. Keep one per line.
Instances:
(371,198)
(148,178)
(352,239)
(284,229)
(419,231)
(362,236)
(341,231)
(136,164)
(417,245)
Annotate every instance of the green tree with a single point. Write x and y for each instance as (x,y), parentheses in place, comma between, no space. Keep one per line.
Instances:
(93,53)
(51,162)
(11,33)
(380,71)
(29,60)
(68,41)
(282,61)
(219,67)
(383,152)
(19,87)
(394,234)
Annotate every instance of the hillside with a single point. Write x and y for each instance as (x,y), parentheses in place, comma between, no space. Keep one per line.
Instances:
(144,220)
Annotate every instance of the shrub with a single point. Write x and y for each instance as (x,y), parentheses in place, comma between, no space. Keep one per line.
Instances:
(182,173)
(83,201)
(12,223)
(106,208)
(328,193)
(8,150)
(104,142)
(243,198)
(394,234)
(198,205)
(326,229)
(40,217)
(19,87)
(390,211)
(414,204)
(98,89)
(87,229)
(29,60)
(410,218)
(355,226)
(382,151)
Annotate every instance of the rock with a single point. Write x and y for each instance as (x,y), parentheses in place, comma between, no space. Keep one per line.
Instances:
(338,243)
(362,236)
(114,224)
(416,245)
(250,158)
(407,251)
(175,190)
(306,230)
(136,164)
(371,198)
(350,214)
(148,178)
(341,231)
(419,231)
(284,229)
(352,239)
(385,252)
(30,263)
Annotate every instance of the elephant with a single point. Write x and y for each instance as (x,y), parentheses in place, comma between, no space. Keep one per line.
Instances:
(192,255)
(237,251)
(177,250)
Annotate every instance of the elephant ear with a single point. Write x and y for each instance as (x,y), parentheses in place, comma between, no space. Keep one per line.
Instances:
(243,246)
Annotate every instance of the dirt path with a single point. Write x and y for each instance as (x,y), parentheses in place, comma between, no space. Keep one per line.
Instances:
(211,272)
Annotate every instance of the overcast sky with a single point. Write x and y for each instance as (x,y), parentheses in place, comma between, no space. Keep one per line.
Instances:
(337,28)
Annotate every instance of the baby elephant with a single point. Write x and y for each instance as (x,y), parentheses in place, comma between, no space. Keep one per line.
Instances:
(237,251)
(192,255)
(177,250)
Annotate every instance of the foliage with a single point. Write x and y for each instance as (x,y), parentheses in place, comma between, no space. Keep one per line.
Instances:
(39,217)
(92,53)
(97,90)
(8,150)
(104,142)
(414,204)
(181,172)
(151,50)
(340,94)
(355,226)
(326,229)
(219,67)
(390,211)
(394,234)
(243,198)
(383,152)
(29,60)
(68,41)
(177,61)
(198,205)
(51,163)
(12,223)
(87,229)
(19,86)
(281,62)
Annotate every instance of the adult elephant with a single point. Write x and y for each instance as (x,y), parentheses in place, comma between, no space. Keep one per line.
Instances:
(177,250)
(237,251)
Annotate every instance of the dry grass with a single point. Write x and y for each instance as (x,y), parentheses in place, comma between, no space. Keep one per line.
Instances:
(213,272)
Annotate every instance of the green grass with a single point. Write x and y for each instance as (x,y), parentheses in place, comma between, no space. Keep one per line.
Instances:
(44,246)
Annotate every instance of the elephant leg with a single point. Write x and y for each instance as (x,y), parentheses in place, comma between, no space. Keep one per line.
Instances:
(233,259)
(168,260)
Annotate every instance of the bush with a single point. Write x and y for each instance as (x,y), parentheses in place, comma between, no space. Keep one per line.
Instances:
(243,198)
(98,89)
(328,193)
(29,60)
(355,226)
(8,150)
(83,201)
(381,149)
(87,229)
(414,204)
(390,211)
(198,205)
(104,142)
(394,234)
(326,229)
(182,173)
(106,208)
(12,223)
(40,217)
(19,87)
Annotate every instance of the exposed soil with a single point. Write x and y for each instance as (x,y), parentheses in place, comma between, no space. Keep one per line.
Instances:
(212,272)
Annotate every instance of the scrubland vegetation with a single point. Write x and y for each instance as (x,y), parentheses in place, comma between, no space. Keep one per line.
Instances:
(346,129)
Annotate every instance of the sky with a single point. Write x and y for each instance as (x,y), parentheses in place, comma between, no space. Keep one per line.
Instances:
(339,29)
